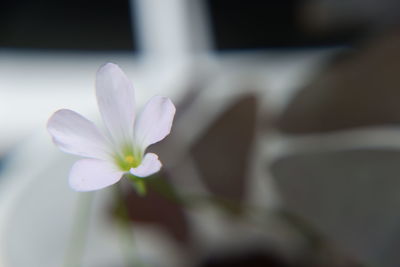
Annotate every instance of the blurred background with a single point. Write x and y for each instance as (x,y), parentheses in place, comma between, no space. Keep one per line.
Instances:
(285,150)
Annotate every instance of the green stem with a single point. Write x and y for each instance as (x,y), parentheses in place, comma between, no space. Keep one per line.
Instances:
(79,232)
(138,184)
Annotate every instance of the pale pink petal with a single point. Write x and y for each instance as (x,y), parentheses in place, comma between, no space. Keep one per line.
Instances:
(74,134)
(149,166)
(116,100)
(154,122)
(92,174)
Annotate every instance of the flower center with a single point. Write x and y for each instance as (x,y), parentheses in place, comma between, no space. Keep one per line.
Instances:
(127,162)
(130,160)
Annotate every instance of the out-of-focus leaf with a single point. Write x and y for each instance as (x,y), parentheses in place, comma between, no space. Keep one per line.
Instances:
(360,89)
(222,153)
(351,197)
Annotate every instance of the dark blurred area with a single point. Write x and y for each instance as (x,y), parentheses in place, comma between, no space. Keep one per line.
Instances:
(105,25)
(67,25)
(270,24)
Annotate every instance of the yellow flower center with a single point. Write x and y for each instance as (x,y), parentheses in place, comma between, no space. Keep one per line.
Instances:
(125,163)
(130,160)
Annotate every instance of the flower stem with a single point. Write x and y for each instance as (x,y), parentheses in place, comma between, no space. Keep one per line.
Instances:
(138,184)
(79,232)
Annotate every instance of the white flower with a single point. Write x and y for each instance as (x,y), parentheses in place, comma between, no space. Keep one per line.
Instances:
(121,150)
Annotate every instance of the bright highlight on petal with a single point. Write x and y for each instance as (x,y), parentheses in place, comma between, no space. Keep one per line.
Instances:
(122,150)
(149,166)
(76,135)
(116,100)
(155,121)
(92,174)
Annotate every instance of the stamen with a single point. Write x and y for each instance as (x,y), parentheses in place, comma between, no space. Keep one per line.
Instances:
(130,160)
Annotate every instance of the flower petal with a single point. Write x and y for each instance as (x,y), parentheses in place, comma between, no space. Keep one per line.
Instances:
(74,134)
(116,100)
(93,174)
(155,121)
(149,166)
